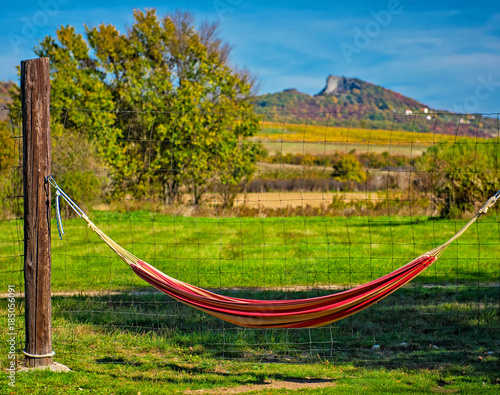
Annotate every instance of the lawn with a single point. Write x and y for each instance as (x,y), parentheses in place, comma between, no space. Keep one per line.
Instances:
(229,252)
(419,341)
(119,336)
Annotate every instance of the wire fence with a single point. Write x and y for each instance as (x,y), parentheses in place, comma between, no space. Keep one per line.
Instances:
(318,209)
(11,234)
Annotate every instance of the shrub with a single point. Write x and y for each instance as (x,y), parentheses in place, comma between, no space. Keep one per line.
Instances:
(460,175)
(348,168)
(9,183)
(78,169)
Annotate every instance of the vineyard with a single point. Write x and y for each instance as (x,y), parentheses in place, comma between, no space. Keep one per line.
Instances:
(274,131)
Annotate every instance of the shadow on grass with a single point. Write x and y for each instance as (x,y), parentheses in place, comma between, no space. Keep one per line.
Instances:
(415,328)
(119,360)
(393,223)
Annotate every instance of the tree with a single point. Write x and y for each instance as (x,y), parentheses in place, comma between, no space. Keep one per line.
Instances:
(9,153)
(348,168)
(85,140)
(171,110)
(460,175)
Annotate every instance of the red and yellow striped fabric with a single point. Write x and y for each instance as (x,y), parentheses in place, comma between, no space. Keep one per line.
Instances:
(299,313)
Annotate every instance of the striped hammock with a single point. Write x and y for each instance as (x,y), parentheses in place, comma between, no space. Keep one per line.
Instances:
(299,313)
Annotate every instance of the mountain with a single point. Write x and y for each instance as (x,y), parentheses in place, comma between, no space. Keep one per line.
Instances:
(4,98)
(350,101)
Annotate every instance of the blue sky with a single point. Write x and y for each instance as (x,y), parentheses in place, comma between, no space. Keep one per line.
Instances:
(443,53)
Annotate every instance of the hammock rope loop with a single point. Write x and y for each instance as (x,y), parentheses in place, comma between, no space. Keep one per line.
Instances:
(58,215)
(491,201)
(71,203)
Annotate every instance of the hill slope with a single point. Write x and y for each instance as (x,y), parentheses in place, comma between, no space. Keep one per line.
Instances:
(4,98)
(351,101)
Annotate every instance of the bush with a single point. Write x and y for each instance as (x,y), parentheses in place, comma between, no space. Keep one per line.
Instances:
(459,176)
(9,184)
(78,169)
(348,168)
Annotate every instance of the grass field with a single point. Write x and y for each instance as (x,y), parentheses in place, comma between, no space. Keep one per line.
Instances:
(430,340)
(439,334)
(262,252)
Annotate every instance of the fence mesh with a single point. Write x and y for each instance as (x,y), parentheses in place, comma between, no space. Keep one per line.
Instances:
(329,206)
(11,225)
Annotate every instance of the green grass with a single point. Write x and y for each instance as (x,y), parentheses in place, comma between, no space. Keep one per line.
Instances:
(431,340)
(260,252)
(439,334)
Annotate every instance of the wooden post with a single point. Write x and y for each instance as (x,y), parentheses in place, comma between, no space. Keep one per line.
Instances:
(35,96)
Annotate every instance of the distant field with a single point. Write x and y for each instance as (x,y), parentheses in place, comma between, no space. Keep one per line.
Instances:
(299,147)
(275,131)
(278,200)
(320,140)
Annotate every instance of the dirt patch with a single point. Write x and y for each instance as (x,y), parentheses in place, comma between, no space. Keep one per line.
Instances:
(298,199)
(54,367)
(292,384)
(277,200)
(321,148)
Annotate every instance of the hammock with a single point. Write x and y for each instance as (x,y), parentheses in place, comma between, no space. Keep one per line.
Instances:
(299,313)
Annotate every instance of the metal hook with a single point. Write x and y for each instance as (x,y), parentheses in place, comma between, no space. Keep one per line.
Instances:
(58,215)
(71,203)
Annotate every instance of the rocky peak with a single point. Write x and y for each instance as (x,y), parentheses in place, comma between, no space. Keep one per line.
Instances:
(336,84)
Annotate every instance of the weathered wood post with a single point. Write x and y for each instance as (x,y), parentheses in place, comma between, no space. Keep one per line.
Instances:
(35,96)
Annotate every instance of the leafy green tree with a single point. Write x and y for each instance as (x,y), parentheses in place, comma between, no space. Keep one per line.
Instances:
(163,106)
(85,145)
(78,169)
(7,148)
(348,168)
(9,153)
(459,176)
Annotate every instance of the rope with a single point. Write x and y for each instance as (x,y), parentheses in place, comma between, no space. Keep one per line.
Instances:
(125,255)
(51,354)
(58,215)
(483,210)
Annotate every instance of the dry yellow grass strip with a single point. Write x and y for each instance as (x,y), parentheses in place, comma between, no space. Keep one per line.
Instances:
(278,200)
(274,131)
